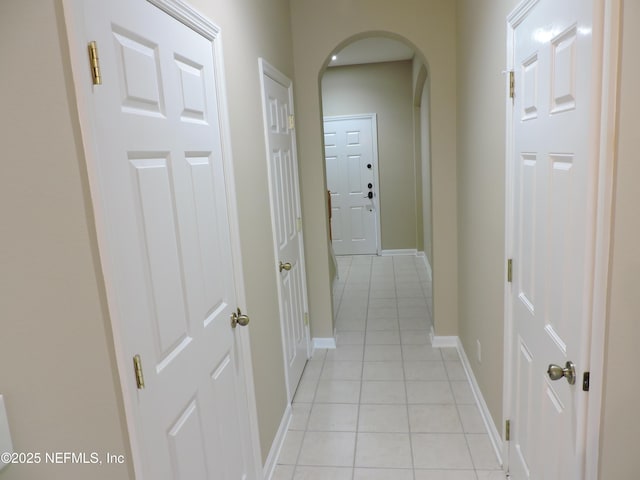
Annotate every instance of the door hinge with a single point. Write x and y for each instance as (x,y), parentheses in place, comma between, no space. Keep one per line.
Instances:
(306,318)
(507,430)
(292,122)
(510,270)
(585,381)
(94,63)
(137,368)
(512,84)
(299,224)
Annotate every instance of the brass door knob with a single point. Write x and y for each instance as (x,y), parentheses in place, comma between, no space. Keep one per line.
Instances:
(239,318)
(284,266)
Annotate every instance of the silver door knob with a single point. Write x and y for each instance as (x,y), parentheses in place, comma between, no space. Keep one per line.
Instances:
(239,318)
(556,372)
(285,266)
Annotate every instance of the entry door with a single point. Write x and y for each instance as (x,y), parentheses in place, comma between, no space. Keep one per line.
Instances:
(352,178)
(554,175)
(286,220)
(161,202)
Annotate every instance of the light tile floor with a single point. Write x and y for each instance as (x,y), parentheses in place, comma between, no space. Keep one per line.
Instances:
(385,405)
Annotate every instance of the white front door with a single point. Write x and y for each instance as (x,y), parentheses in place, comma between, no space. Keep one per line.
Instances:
(352,179)
(286,220)
(554,174)
(160,194)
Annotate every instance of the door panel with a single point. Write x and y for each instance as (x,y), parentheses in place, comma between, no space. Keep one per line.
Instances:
(553,170)
(163,197)
(287,222)
(350,168)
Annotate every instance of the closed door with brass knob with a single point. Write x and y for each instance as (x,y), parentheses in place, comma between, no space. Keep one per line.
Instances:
(287,224)
(553,174)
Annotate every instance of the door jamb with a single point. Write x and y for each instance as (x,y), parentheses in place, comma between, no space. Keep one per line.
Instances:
(77,41)
(374,140)
(266,69)
(606,21)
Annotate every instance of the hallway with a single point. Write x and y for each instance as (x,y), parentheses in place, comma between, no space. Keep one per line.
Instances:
(385,405)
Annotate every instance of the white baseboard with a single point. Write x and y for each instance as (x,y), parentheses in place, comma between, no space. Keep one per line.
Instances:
(276,446)
(319,342)
(426,264)
(441,341)
(408,251)
(494,435)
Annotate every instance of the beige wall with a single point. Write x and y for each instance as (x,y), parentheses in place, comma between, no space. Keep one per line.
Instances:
(620,423)
(322,27)
(58,377)
(253,29)
(384,89)
(421,152)
(481,58)
(425,173)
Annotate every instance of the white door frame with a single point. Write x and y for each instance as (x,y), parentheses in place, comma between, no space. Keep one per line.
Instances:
(74,20)
(606,27)
(374,140)
(265,68)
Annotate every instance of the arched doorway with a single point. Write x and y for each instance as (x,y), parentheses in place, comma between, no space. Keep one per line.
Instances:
(375,108)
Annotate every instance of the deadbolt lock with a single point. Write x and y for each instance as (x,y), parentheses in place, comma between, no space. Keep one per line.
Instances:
(239,318)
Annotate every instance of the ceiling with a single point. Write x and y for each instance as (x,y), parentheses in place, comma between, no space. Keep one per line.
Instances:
(372,50)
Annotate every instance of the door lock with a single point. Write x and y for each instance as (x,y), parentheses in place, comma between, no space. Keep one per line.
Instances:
(370,185)
(556,372)
(284,266)
(239,318)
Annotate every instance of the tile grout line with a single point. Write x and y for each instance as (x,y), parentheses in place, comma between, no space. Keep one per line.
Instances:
(404,376)
(364,346)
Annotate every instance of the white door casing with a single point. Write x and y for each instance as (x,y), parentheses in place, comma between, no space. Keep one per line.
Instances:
(286,217)
(160,181)
(351,160)
(555,214)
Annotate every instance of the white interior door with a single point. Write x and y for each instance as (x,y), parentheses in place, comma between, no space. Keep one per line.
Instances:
(352,178)
(286,220)
(160,195)
(554,174)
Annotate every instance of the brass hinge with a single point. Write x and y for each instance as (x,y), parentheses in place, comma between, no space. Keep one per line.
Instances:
(510,270)
(299,224)
(512,84)
(585,381)
(94,63)
(306,318)
(507,430)
(137,367)
(292,122)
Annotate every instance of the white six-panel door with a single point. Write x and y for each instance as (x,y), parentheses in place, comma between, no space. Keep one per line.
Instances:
(554,176)
(160,194)
(351,167)
(286,220)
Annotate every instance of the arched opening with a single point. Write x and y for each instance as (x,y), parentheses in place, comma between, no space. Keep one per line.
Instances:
(374,87)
